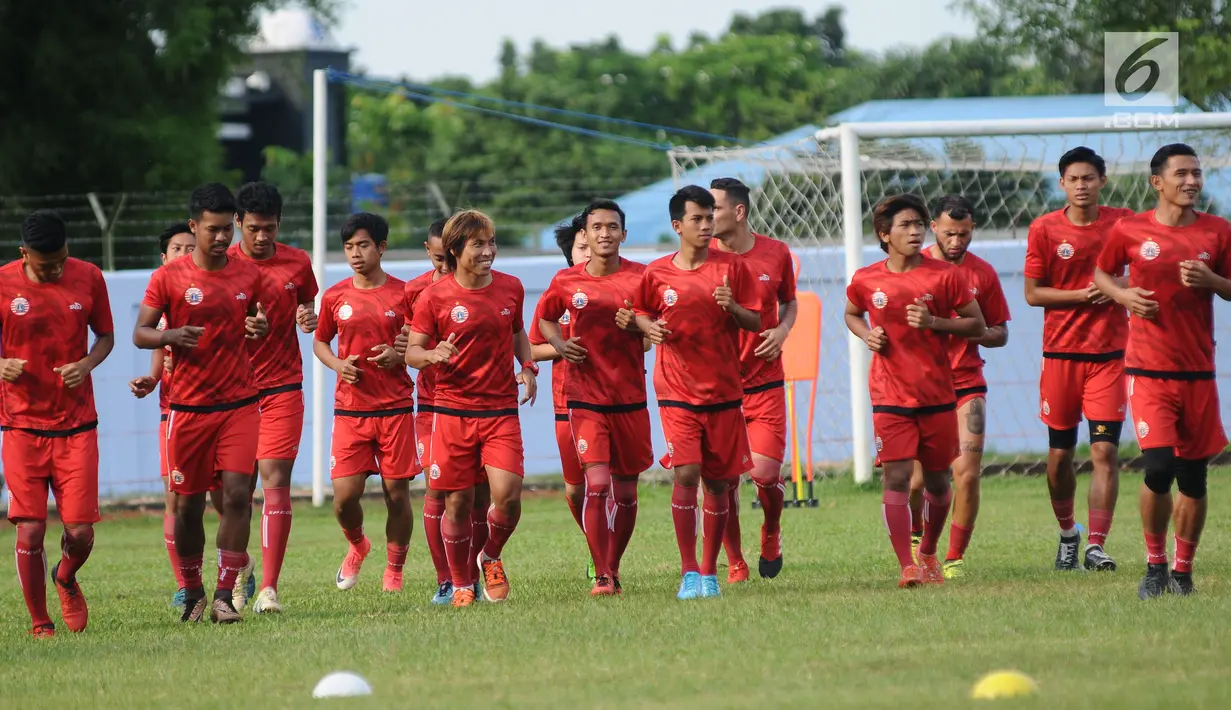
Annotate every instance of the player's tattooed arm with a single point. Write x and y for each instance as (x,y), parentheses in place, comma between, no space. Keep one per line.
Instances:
(1042,296)
(857,323)
(1135,299)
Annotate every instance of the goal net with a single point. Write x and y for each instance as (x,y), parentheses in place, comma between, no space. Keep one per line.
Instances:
(1011,178)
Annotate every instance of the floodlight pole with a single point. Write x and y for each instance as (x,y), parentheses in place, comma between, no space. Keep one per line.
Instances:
(320,196)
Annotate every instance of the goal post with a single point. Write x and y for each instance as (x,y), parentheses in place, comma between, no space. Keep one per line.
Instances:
(816,194)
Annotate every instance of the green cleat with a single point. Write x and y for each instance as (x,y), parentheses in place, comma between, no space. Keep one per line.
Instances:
(954,569)
(591,573)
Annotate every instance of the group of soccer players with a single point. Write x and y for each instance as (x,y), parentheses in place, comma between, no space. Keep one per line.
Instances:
(222,327)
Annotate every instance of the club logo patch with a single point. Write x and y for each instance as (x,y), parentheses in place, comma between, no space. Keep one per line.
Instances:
(670,449)
(193,296)
(1065,251)
(332,463)
(1046,408)
(580,300)
(1150,250)
(177,477)
(345,311)
(880,444)
(419,449)
(434,472)
(1143,429)
(582,446)
(565,319)
(459,314)
(19,306)
(879,299)
(162,322)
(670,297)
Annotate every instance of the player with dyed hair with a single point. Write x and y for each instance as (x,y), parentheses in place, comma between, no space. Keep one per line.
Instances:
(693,304)
(1177,259)
(474,315)
(764,379)
(1084,335)
(51,302)
(893,307)
(373,418)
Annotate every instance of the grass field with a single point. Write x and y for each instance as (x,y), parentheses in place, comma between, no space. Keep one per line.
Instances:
(831,631)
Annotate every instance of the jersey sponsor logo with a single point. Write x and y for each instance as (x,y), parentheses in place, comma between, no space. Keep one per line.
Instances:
(459,314)
(582,446)
(565,319)
(505,312)
(74,306)
(193,296)
(391,314)
(434,472)
(927,297)
(580,300)
(19,306)
(880,444)
(879,299)
(1065,251)
(177,477)
(290,286)
(241,296)
(345,311)
(1101,429)
(670,297)
(1204,256)
(1143,429)
(763,277)
(1150,250)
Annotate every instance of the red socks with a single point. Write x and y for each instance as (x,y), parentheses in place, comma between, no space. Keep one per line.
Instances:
(32,570)
(75,546)
(598,532)
(731,541)
(1064,514)
(456,538)
(959,538)
(500,528)
(433,512)
(1156,548)
(684,517)
(190,571)
(354,535)
(935,512)
(1184,551)
(772,493)
(275,532)
(624,520)
(716,513)
(229,565)
(396,556)
(1100,525)
(478,539)
(168,539)
(895,506)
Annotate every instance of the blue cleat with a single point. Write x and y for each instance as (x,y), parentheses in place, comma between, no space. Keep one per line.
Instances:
(709,587)
(444,594)
(177,601)
(690,587)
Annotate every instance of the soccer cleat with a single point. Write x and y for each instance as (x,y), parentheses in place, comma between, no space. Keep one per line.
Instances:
(348,573)
(245,586)
(267,602)
(1097,560)
(954,569)
(1066,553)
(463,597)
(709,586)
(770,563)
(45,631)
(495,582)
(690,586)
(737,572)
(912,576)
(603,587)
(392,581)
(444,594)
(1181,583)
(930,571)
(222,611)
(72,602)
(194,606)
(177,601)
(591,572)
(916,539)
(1155,583)
(615,579)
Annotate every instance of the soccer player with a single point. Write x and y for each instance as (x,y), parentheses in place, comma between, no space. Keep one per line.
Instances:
(693,304)
(474,315)
(605,389)
(212,304)
(51,302)
(893,307)
(373,418)
(1177,259)
(954,225)
(763,377)
(290,292)
(1084,335)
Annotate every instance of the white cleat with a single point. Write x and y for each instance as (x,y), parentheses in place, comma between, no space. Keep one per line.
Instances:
(245,585)
(267,602)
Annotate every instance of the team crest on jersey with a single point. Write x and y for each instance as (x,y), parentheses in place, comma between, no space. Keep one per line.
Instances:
(162,323)
(1150,250)
(580,300)
(345,312)
(459,314)
(434,472)
(879,299)
(1046,408)
(670,297)
(1065,251)
(565,319)
(177,477)
(582,446)
(1143,429)
(193,296)
(19,306)
(879,444)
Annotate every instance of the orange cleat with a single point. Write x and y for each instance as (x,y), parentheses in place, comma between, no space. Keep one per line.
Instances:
(930,569)
(462,597)
(603,587)
(392,581)
(912,576)
(737,572)
(495,583)
(72,603)
(45,631)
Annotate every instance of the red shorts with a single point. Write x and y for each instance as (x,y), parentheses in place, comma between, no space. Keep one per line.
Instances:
(718,441)
(163,469)
(65,465)
(765,416)
(461,447)
(968,385)
(281,424)
(1179,414)
(931,439)
(1070,388)
(423,433)
(382,445)
(619,439)
(202,445)
(570,465)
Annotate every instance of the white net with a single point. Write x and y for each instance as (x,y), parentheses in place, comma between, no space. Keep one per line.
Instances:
(1011,180)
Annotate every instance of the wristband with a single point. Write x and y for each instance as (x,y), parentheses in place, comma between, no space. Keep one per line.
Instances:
(529,365)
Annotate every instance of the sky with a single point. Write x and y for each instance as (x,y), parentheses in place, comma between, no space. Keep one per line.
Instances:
(427,39)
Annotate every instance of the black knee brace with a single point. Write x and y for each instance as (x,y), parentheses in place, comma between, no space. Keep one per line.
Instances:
(1160,468)
(1108,432)
(1190,477)
(1062,438)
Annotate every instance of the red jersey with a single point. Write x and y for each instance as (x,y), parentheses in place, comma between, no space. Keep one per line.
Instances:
(559,367)
(481,376)
(699,364)
(912,371)
(613,372)
(47,324)
(363,318)
(774,269)
(984,284)
(425,381)
(164,379)
(1180,338)
(1063,255)
(289,281)
(218,372)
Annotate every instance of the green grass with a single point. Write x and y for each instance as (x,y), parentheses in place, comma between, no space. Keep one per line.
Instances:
(831,631)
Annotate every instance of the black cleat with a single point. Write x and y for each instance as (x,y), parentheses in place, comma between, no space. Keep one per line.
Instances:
(768,569)
(1181,583)
(194,606)
(1066,553)
(1155,583)
(1097,560)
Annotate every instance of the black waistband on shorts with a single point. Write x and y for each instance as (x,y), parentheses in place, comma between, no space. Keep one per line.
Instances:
(913,411)
(607,408)
(214,408)
(562,417)
(377,413)
(162,417)
(967,391)
(1183,375)
(701,408)
(55,433)
(1086,357)
(477,413)
(281,389)
(427,409)
(765,387)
